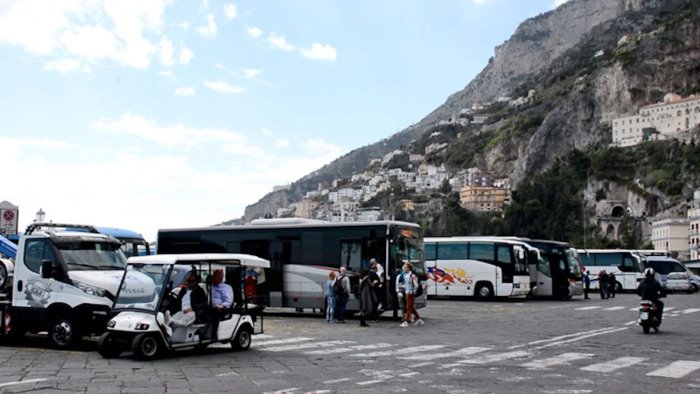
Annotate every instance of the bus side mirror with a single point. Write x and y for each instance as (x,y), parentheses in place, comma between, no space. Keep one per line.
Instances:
(46,269)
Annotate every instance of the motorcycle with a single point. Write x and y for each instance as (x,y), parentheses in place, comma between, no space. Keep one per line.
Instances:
(648,317)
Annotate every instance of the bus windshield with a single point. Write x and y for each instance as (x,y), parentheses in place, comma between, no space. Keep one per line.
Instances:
(84,255)
(574,265)
(407,247)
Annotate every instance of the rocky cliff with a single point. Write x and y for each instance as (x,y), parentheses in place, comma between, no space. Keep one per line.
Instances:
(579,88)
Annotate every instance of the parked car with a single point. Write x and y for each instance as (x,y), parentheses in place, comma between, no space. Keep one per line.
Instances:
(695,282)
(665,266)
(678,281)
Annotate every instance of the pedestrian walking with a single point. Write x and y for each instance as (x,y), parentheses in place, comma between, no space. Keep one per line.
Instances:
(368,299)
(330,298)
(341,288)
(410,286)
(586,285)
(612,283)
(603,284)
(377,272)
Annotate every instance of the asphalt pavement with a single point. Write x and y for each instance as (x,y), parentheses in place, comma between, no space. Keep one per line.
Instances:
(505,346)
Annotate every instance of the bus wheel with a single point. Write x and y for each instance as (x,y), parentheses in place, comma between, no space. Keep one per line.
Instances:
(618,287)
(146,347)
(243,338)
(484,291)
(107,346)
(63,332)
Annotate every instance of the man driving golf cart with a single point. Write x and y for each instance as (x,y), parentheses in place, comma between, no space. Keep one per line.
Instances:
(150,321)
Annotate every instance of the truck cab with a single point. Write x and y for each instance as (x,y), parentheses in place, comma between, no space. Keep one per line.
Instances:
(65,281)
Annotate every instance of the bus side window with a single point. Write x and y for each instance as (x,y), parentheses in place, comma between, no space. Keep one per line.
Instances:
(430,251)
(482,251)
(627,264)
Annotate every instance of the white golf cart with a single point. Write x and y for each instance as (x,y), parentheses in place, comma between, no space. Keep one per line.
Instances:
(140,314)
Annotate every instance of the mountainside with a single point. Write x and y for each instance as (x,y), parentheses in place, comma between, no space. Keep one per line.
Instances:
(576,76)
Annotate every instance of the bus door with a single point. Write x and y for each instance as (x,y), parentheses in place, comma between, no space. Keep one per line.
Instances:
(540,274)
(434,276)
(630,268)
(506,262)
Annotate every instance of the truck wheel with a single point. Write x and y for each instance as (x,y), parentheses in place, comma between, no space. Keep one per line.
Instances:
(146,346)
(107,346)
(63,332)
(243,339)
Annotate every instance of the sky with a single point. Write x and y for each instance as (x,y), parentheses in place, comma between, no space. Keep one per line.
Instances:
(148,114)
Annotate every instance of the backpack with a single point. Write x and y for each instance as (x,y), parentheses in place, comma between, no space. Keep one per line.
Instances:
(338,289)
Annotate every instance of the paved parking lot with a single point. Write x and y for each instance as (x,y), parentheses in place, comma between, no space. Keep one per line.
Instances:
(578,346)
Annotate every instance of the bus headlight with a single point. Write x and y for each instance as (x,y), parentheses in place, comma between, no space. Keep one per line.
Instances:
(91,290)
(111,324)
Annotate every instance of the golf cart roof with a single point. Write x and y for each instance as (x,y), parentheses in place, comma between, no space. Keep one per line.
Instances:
(217,258)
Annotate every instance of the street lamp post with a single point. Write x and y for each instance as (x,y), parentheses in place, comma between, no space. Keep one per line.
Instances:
(40,215)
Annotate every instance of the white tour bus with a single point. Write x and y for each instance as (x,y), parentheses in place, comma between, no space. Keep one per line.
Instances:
(557,272)
(627,265)
(484,267)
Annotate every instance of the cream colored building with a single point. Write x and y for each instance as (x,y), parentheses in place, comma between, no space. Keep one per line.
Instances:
(483,198)
(657,121)
(694,227)
(305,208)
(671,235)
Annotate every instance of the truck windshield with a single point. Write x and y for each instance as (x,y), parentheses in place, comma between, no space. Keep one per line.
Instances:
(86,256)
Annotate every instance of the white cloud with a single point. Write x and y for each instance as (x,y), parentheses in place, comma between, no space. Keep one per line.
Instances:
(169,136)
(231,11)
(186,55)
(282,143)
(89,31)
(319,52)
(185,26)
(167,74)
(280,42)
(557,3)
(166,52)
(253,32)
(223,87)
(250,73)
(185,91)
(481,2)
(208,31)
(65,66)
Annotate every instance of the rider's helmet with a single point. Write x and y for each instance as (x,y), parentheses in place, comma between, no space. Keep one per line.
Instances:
(649,272)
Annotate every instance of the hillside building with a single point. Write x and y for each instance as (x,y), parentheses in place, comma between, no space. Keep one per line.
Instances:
(483,198)
(671,235)
(657,121)
(694,227)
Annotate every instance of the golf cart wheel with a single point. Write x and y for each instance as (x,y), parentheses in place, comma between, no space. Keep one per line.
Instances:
(243,339)
(146,347)
(63,332)
(107,346)
(645,329)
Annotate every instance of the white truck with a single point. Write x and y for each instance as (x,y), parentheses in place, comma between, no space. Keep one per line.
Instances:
(64,282)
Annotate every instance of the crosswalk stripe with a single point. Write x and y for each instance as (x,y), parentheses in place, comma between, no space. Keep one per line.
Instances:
(467,351)
(670,308)
(614,308)
(588,308)
(257,337)
(614,365)
(403,350)
(492,358)
(282,341)
(563,358)
(690,310)
(351,348)
(677,369)
(285,348)
(634,309)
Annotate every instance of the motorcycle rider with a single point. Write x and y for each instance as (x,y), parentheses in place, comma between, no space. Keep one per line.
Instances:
(650,289)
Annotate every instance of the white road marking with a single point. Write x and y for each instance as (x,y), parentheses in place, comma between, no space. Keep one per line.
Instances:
(492,358)
(421,365)
(232,373)
(286,348)
(670,308)
(563,358)
(629,323)
(368,382)
(351,348)
(614,365)
(28,381)
(398,351)
(282,341)
(336,381)
(676,369)
(690,310)
(318,392)
(588,308)
(560,337)
(409,374)
(284,391)
(467,351)
(634,309)
(614,308)
(581,337)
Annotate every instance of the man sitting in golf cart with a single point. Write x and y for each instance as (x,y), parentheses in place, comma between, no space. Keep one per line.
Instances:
(193,303)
